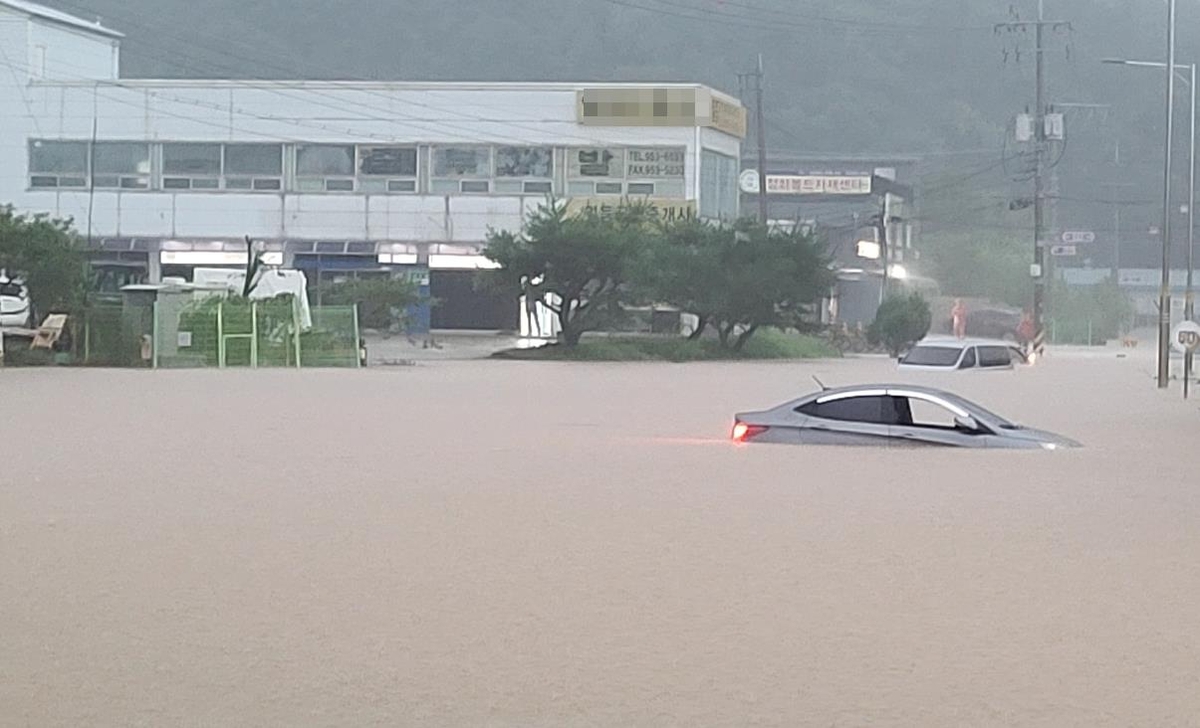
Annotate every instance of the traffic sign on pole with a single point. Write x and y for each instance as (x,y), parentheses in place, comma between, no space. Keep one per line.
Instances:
(1062,250)
(1186,340)
(1074,237)
(1186,337)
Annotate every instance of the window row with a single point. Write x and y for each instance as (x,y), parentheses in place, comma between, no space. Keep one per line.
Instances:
(247,166)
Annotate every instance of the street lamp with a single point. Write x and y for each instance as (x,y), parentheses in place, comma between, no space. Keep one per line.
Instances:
(1189,297)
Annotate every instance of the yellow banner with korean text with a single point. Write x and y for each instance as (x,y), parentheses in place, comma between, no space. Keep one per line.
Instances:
(668,209)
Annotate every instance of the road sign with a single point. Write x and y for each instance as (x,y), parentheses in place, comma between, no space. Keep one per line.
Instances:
(1186,337)
(1062,250)
(1074,237)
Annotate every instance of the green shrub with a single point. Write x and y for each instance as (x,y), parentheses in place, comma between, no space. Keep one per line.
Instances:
(1088,314)
(767,344)
(900,321)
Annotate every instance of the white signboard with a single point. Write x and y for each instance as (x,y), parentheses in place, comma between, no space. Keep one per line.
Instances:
(1062,250)
(655,162)
(787,184)
(806,184)
(1073,237)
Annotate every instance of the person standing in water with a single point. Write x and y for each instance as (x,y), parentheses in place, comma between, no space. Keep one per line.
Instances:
(958,316)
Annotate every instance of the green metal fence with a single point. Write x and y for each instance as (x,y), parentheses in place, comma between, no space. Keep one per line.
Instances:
(219,331)
(109,335)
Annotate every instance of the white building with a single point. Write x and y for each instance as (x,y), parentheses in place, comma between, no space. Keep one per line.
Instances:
(163,175)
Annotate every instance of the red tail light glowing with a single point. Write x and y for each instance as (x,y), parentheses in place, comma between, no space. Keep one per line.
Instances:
(743,432)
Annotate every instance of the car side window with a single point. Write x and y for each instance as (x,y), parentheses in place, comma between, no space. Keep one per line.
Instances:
(865,409)
(968,359)
(929,414)
(994,356)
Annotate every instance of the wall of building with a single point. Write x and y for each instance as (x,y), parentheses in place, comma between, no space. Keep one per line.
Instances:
(59,52)
(377,114)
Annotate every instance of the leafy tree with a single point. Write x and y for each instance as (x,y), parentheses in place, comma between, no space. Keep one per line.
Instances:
(900,321)
(684,270)
(740,278)
(381,301)
(45,251)
(579,266)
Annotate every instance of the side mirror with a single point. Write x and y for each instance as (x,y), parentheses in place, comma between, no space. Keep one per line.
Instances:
(966,423)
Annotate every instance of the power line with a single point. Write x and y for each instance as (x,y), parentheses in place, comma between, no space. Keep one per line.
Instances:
(691,12)
(889,27)
(341,103)
(20,89)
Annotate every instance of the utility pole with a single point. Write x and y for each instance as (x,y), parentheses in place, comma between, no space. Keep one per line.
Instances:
(762,141)
(1116,252)
(1164,291)
(1039,193)
(1189,297)
(760,131)
(1039,270)
(1164,295)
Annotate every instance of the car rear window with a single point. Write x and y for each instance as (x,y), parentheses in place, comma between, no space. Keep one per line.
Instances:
(932,356)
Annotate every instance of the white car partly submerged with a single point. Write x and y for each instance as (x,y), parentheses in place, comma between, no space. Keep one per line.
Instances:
(946,353)
(14,303)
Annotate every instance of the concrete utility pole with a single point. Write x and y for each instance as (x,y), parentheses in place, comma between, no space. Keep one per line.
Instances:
(1164,291)
(1189,300)
(1116,251)
(760,131)
(762,141)
(1039,192)
(1039,272)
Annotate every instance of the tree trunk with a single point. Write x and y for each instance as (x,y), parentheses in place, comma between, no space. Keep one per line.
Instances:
(744,337)
(701,324)
(570,335)
(570,323)
(723,333)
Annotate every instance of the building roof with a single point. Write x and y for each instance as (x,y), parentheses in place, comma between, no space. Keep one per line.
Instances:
(58,17)
(375,85)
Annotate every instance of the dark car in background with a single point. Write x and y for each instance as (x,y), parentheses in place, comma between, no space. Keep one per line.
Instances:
(992,323)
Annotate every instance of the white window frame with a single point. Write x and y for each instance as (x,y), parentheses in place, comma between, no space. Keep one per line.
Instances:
(216,179)
(489,166)
(392,183)
(146,179)
(84,178)
(524,180)
(253,178)
(325,179)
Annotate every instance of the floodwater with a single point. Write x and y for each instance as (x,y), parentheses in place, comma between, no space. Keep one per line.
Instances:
(517,544)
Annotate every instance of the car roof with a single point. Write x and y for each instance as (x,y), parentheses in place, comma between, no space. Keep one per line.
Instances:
(953,341)
(888,385)
(975,409)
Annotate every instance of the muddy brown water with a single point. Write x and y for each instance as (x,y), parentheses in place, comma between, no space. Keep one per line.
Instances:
(519,544)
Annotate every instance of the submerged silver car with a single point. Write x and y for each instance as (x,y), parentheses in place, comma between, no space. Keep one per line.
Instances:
(889,415)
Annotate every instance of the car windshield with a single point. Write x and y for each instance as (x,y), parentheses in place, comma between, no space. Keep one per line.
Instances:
(13,290)
(936,356)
